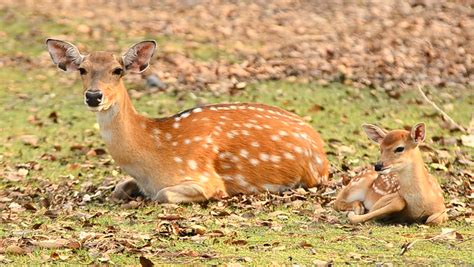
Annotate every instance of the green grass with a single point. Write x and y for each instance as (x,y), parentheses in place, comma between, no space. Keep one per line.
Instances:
(344,110)
(31,90)
(26,32)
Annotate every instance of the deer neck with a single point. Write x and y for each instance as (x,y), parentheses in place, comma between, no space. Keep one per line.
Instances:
(413,175)
(118,123)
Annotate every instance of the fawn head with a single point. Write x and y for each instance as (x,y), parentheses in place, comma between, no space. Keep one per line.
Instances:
(101,72)
(397,147)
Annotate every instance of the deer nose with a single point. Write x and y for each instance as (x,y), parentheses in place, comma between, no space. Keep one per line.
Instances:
(93,98)
(378,166)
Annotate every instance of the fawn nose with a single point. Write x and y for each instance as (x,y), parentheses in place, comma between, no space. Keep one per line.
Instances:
(93,98)
(378,166)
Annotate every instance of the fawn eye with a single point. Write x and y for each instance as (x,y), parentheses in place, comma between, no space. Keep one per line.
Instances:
(117,71)
(82,71)
(399,149)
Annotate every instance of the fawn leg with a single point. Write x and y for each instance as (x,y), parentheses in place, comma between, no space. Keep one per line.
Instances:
(437,218)
(183,193)
(126,190)
(385,205)
(356,206)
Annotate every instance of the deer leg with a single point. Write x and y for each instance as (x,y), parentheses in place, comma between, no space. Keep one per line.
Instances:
(356,206)
(182,193)
(385,205)
(126,190)
(437,218)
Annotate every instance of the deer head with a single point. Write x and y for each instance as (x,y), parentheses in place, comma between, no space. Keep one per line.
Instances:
(398,148)
(101,72)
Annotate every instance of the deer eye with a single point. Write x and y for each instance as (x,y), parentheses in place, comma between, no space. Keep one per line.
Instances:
(117,71)
(82,71)
(399,149)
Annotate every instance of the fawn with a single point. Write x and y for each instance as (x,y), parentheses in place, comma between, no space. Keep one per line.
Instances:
(205,152)
(400,187)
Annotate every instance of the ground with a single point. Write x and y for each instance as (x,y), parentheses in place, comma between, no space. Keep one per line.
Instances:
(56,175)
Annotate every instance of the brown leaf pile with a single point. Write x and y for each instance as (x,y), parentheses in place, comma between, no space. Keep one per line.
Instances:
(364,43)
(72,224)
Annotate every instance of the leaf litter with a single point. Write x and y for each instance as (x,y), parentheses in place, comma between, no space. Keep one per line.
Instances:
(60,216)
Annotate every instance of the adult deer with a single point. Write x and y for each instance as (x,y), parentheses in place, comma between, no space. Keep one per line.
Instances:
(400,186)
(198,154)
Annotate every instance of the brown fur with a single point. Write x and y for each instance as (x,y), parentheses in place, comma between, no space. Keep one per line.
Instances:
(202,153)
(410,194)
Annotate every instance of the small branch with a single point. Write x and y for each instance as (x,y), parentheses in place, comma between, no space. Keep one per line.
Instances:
(445,116)
(407,246)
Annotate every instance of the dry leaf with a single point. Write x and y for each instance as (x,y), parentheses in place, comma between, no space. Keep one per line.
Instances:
(53,243)
(467,140)
(146,262)
(14,249)
(320,263)
(31,140)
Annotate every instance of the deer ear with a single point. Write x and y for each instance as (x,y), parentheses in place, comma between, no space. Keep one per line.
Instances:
(418,133)
(374,133)
(138,56)
(64,54)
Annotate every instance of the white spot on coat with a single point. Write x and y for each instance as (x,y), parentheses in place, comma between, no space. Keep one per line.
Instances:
(275,158)
(225,166)
(264,156)
(288,155)
(254,162)
(298,149)
(192,164)
(244,153)
(227,177)
(275,138)
(241,179)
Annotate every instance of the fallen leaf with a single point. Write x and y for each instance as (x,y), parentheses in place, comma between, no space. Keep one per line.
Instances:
(304,244)
(467,140)
(73,245)
(438,166)
(31,140)
(146,262)
(170,217)
(15,249)
(320,263)
(239,242)
(448,234)
(355,256)
(53,243)
(22,172)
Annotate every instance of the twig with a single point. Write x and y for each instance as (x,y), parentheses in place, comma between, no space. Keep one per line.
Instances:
(407,246)
(445,116)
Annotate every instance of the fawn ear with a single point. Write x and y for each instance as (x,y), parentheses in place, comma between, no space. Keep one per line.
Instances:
(138,56)
(374,133)
(418,133)
(64,54)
